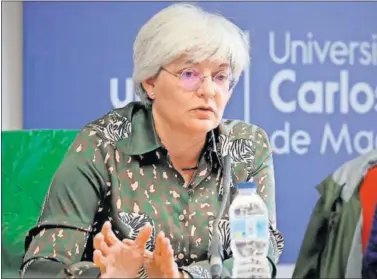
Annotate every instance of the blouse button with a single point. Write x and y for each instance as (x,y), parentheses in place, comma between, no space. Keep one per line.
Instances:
(181,217)
(181,256)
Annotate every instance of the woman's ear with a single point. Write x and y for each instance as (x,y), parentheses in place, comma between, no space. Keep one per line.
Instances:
(148,85)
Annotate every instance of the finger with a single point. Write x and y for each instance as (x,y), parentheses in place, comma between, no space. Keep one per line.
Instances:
(100,244)
(166,254)
(165,246)
(171,267)
(97,241)
(169,255)
(99,260)
(167,258)
(160,252)
(110,237)
(144,235)
(159,243)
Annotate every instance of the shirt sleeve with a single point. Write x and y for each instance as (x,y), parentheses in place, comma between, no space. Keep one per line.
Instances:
(63,231)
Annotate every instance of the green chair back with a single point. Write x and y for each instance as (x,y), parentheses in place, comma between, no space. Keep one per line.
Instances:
(29,160)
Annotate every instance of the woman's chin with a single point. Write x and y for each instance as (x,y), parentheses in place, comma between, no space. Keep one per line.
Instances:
(201,125)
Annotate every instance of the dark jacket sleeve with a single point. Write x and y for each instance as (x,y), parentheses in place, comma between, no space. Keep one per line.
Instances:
(64,229)
(307,264)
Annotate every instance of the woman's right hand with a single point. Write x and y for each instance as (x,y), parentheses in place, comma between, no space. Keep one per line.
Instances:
(119,259)
(160,263)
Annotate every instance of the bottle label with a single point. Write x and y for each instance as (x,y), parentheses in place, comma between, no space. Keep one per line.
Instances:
(246,228)
(261,227)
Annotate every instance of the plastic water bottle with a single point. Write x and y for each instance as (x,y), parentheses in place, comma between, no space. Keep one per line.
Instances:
(249,226)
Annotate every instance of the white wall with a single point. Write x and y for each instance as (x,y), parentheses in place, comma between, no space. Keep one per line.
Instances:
(11,65)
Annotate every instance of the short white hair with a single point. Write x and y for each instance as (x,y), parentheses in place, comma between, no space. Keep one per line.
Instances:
(186,29)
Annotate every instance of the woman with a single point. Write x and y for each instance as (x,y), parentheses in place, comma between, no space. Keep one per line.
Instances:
(137,192)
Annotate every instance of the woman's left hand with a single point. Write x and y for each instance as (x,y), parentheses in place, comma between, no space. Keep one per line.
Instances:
(160,263)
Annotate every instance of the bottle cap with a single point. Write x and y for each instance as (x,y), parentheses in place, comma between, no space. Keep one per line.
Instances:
(247,185)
